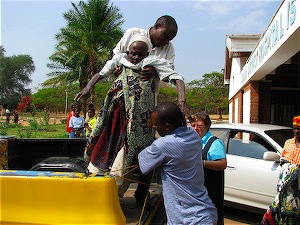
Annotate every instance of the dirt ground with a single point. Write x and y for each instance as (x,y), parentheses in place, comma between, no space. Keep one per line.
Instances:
(24,121)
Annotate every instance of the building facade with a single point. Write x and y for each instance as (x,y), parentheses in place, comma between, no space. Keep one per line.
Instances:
(263,71)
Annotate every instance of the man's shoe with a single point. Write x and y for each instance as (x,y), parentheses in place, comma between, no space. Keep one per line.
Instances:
(140,200)
(140,197)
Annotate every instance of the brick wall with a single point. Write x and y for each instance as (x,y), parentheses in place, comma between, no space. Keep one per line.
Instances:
(253,87)
(232,109)
(240,106)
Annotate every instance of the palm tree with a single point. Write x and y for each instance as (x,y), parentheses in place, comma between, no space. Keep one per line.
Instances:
(85,44)
(2,50)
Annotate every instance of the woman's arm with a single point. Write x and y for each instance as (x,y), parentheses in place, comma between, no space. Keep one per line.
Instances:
(88,87)
(181,97)
(215,165)
(109,67)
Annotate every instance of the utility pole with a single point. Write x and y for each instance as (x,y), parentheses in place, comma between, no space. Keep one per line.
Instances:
(66,108)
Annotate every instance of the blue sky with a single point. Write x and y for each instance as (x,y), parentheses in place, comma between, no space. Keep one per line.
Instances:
(29,27)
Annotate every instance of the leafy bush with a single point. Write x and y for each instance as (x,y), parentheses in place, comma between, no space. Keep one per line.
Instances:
(34,124)
(24,133)
(3,128)
(63,121)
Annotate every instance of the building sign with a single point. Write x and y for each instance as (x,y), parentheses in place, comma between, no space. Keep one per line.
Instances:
(283,25)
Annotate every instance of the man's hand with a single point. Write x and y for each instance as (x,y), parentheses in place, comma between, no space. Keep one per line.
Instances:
(118,70)
(83,93)
(147,72)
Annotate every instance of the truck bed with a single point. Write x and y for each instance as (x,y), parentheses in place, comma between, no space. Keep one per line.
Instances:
(23,154)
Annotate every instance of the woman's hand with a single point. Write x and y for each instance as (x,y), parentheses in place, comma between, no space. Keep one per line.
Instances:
(84,93)
(88,87)
(118,70)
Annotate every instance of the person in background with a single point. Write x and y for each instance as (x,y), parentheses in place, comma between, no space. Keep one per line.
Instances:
(286,208)
(76,124)
(214,162)
(89,125)
(291,149)
(178,152)
(16,116)
(7,114)
(71,113)
(90,106)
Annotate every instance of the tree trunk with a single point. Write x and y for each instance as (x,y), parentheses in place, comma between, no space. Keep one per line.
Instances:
(220,114)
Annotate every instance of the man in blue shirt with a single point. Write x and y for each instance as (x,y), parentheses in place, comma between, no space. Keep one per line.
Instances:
(177,152)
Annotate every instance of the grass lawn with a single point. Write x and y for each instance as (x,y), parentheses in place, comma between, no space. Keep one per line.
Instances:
(49,131)
(40,131)
(35,127)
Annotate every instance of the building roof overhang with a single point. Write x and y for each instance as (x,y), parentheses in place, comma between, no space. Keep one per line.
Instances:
(238,46)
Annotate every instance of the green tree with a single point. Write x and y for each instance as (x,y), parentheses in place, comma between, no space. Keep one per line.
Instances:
(211,92)
(15,72)
(194,99)
(167,93)
(54,99)
(85,44)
